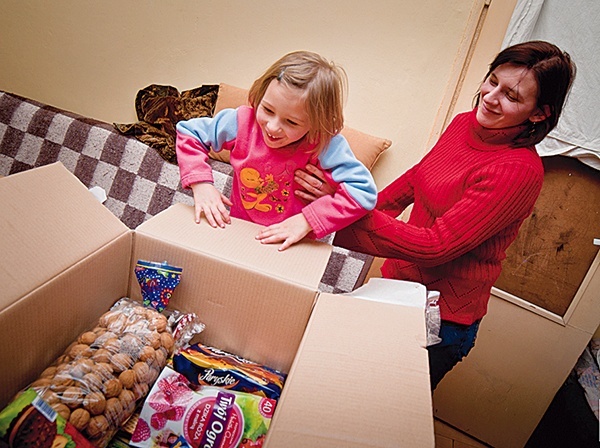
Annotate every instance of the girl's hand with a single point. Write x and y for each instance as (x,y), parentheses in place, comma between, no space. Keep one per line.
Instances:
(313,181)
(210,201)
(289,231)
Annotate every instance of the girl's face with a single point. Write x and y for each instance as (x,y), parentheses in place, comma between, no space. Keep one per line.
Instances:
(282,115)
(509,98)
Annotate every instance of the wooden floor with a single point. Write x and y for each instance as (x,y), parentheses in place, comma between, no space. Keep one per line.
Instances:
(448,437)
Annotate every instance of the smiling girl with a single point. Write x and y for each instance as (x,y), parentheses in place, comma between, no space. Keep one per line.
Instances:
(294,118)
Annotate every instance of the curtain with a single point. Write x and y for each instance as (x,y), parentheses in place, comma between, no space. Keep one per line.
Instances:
(574,26)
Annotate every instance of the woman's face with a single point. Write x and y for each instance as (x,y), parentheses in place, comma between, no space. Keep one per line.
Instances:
(508,98)
(282,115)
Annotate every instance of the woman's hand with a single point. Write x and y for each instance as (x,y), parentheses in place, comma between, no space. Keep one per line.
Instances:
(289,231)
(313,181)
(210,201)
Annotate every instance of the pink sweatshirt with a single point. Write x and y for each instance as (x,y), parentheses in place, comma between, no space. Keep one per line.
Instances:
(263,180)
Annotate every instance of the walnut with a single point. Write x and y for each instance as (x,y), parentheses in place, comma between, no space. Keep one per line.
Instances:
(131,344)
(148,354)
(127,399)
(112,387)
(95,403)
(104,370)
(101,355)
(87,338)
(117,323)
(61,382)
(167,341)
(142,371)
(161,357)
(140,390)
(99,331)
(113,345)
(114,411)
(50,396)
(48,372)
(92,381)
(79,418)
(72,396)
(154,340)
(62,410)
(153,374)
(81,367)
(79,350)
(120,362)
(97,426)
(127,378)
(41,383)
(158,322)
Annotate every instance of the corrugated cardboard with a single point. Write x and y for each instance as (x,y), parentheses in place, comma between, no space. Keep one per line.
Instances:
(357,369)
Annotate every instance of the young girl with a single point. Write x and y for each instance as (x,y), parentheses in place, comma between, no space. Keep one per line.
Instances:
(295,116)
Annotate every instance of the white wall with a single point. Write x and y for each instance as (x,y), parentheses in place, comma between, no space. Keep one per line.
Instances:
(92,57)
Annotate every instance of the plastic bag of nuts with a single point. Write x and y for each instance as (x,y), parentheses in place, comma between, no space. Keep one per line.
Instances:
(102,376)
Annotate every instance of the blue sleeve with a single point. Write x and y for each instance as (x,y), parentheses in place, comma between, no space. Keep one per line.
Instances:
(212,132)
(345,168)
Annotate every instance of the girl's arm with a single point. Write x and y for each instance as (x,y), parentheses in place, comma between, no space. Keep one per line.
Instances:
(194,139)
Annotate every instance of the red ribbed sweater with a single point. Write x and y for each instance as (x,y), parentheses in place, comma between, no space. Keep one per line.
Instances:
(470,195)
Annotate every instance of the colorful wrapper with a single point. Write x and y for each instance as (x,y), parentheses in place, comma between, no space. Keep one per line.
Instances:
(157,281)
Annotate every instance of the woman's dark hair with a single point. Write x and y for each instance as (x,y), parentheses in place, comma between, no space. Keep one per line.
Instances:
(554,72)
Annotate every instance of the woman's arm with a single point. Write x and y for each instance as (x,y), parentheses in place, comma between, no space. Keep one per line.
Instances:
(501,198)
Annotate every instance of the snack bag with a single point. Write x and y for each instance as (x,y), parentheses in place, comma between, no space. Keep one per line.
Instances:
(99,380)
(29,421)
(208,366)
(157,281)
(178,414)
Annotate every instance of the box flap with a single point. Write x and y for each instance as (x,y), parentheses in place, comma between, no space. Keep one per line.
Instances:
(49,222)
(304,263)
(360,378)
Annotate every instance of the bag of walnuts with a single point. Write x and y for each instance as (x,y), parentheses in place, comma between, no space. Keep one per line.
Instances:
(102,376)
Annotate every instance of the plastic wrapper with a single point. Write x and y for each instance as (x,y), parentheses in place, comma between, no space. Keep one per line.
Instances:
(208,366)
(433,318)
(103,375)
(177,413)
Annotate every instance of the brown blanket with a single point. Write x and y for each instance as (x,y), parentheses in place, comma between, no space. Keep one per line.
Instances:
(159,108)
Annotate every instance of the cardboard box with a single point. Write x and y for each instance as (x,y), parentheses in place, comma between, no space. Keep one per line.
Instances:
(358,372)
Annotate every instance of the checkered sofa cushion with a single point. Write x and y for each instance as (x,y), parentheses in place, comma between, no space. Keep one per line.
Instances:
(138,182)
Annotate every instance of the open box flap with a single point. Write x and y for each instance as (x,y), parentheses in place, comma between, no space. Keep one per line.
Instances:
(49,221)
(304,263)
(360,378)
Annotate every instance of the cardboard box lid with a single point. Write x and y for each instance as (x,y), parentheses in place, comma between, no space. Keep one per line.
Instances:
(49,222)
(361,376)
(304,263)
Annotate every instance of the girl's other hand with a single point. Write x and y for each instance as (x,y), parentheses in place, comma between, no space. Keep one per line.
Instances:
(210,201)
(289,231)
(313,181)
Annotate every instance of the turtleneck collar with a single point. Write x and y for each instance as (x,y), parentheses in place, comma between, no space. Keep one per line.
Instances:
(490,139)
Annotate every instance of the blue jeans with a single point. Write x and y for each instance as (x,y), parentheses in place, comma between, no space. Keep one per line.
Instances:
(457,342)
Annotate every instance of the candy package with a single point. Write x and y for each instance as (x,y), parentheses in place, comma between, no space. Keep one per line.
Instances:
(29,421)
(157,282)
(208,366)
(177,413)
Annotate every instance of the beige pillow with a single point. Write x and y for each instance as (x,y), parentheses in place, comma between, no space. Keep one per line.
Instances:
(367,148)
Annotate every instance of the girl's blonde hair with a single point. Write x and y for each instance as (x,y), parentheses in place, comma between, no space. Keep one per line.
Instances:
(324,84)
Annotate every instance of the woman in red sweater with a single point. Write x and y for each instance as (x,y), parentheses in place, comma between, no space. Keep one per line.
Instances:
(470,194)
